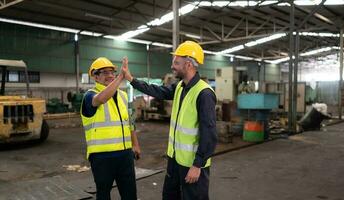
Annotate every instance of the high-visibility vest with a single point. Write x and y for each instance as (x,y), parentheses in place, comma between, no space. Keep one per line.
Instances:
(184,133)
(109,128)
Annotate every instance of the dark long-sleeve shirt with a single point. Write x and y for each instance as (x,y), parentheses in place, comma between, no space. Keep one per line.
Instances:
(205,103)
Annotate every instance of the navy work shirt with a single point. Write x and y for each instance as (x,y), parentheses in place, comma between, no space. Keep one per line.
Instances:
(206,102)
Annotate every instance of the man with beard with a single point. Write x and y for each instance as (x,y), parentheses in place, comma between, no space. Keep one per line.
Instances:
(192,137)
(111,142)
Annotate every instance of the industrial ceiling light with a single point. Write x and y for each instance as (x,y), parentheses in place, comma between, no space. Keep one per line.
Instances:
(265,39)
(159,21)
(162,45)
(317,34)
(192,36)
(210,52)
(277,61)
(233,49)
(244,57)
(245,3)
(254,43)
(128,39)
(316,51)
(308,53)
(50,27)
(90,33)
(32,24)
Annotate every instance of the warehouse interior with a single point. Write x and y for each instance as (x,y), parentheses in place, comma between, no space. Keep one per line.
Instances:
(278,64)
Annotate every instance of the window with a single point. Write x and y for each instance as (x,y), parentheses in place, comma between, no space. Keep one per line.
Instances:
(19,76)
(13,76)
(86,79)
(34,77)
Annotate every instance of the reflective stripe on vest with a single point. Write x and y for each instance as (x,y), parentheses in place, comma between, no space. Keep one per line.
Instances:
(184,147)
(108,141)
(188,131)
(124,99)
(107,122)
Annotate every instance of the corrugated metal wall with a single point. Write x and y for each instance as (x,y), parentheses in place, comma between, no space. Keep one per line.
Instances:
(53,51)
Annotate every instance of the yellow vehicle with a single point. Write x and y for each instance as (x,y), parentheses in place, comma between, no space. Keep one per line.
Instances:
(21,117)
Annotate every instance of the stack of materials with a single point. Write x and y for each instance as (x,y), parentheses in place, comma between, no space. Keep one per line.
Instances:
(224,133)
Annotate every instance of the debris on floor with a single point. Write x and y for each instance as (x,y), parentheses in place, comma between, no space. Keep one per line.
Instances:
(312,120)
(77,168)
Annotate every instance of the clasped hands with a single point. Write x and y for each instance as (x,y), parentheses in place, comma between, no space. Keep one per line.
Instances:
(125,70)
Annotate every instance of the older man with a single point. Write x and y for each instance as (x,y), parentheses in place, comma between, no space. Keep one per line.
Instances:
(192,137)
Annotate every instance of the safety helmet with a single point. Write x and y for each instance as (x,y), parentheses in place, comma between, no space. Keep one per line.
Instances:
(191,49)
(100,63)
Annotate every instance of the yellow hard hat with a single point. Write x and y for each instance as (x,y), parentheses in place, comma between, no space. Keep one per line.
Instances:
(100,63)
(191,49)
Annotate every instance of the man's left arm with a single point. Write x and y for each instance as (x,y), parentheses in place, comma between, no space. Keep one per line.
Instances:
(206,102)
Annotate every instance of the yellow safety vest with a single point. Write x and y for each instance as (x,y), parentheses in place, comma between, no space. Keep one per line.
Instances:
(184,136)
(108,129)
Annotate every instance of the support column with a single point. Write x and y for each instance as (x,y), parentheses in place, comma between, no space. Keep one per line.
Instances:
(175,32)
(340,74)
(77,62)
(148,62)
(291,55)
(296,62)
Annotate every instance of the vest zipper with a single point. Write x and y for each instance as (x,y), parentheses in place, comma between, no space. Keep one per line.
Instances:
(120,118)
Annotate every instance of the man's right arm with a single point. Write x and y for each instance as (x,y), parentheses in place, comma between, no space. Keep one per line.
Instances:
(88,110)
(159,92)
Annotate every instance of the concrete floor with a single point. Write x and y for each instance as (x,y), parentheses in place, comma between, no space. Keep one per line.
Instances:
(305,166)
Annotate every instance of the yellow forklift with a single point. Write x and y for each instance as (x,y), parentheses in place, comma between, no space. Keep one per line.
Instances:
(21,116)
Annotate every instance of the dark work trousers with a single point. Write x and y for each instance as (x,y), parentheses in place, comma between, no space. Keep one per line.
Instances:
(119,168)
(175,187)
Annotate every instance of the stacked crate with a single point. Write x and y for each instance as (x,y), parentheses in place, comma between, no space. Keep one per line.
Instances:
(224,133)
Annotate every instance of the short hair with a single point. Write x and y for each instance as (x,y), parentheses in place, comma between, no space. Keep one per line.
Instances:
(192,60)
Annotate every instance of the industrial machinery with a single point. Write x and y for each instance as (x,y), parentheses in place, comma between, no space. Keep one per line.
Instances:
(157,109)
(21,117)
(255,109)
(225,82)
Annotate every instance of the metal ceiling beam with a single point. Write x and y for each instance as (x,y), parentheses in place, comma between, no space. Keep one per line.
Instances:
(213,33)
(42,15)
(238,38)
(234,28)
(181,32)
(7,3)
(119,9)
(260,27)
(287,14)
(310,14)
(317,15)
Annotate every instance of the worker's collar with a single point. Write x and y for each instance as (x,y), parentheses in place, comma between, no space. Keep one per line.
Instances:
(192,82)
(100,87)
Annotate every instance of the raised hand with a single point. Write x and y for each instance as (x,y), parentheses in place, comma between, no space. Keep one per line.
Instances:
(125,69)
